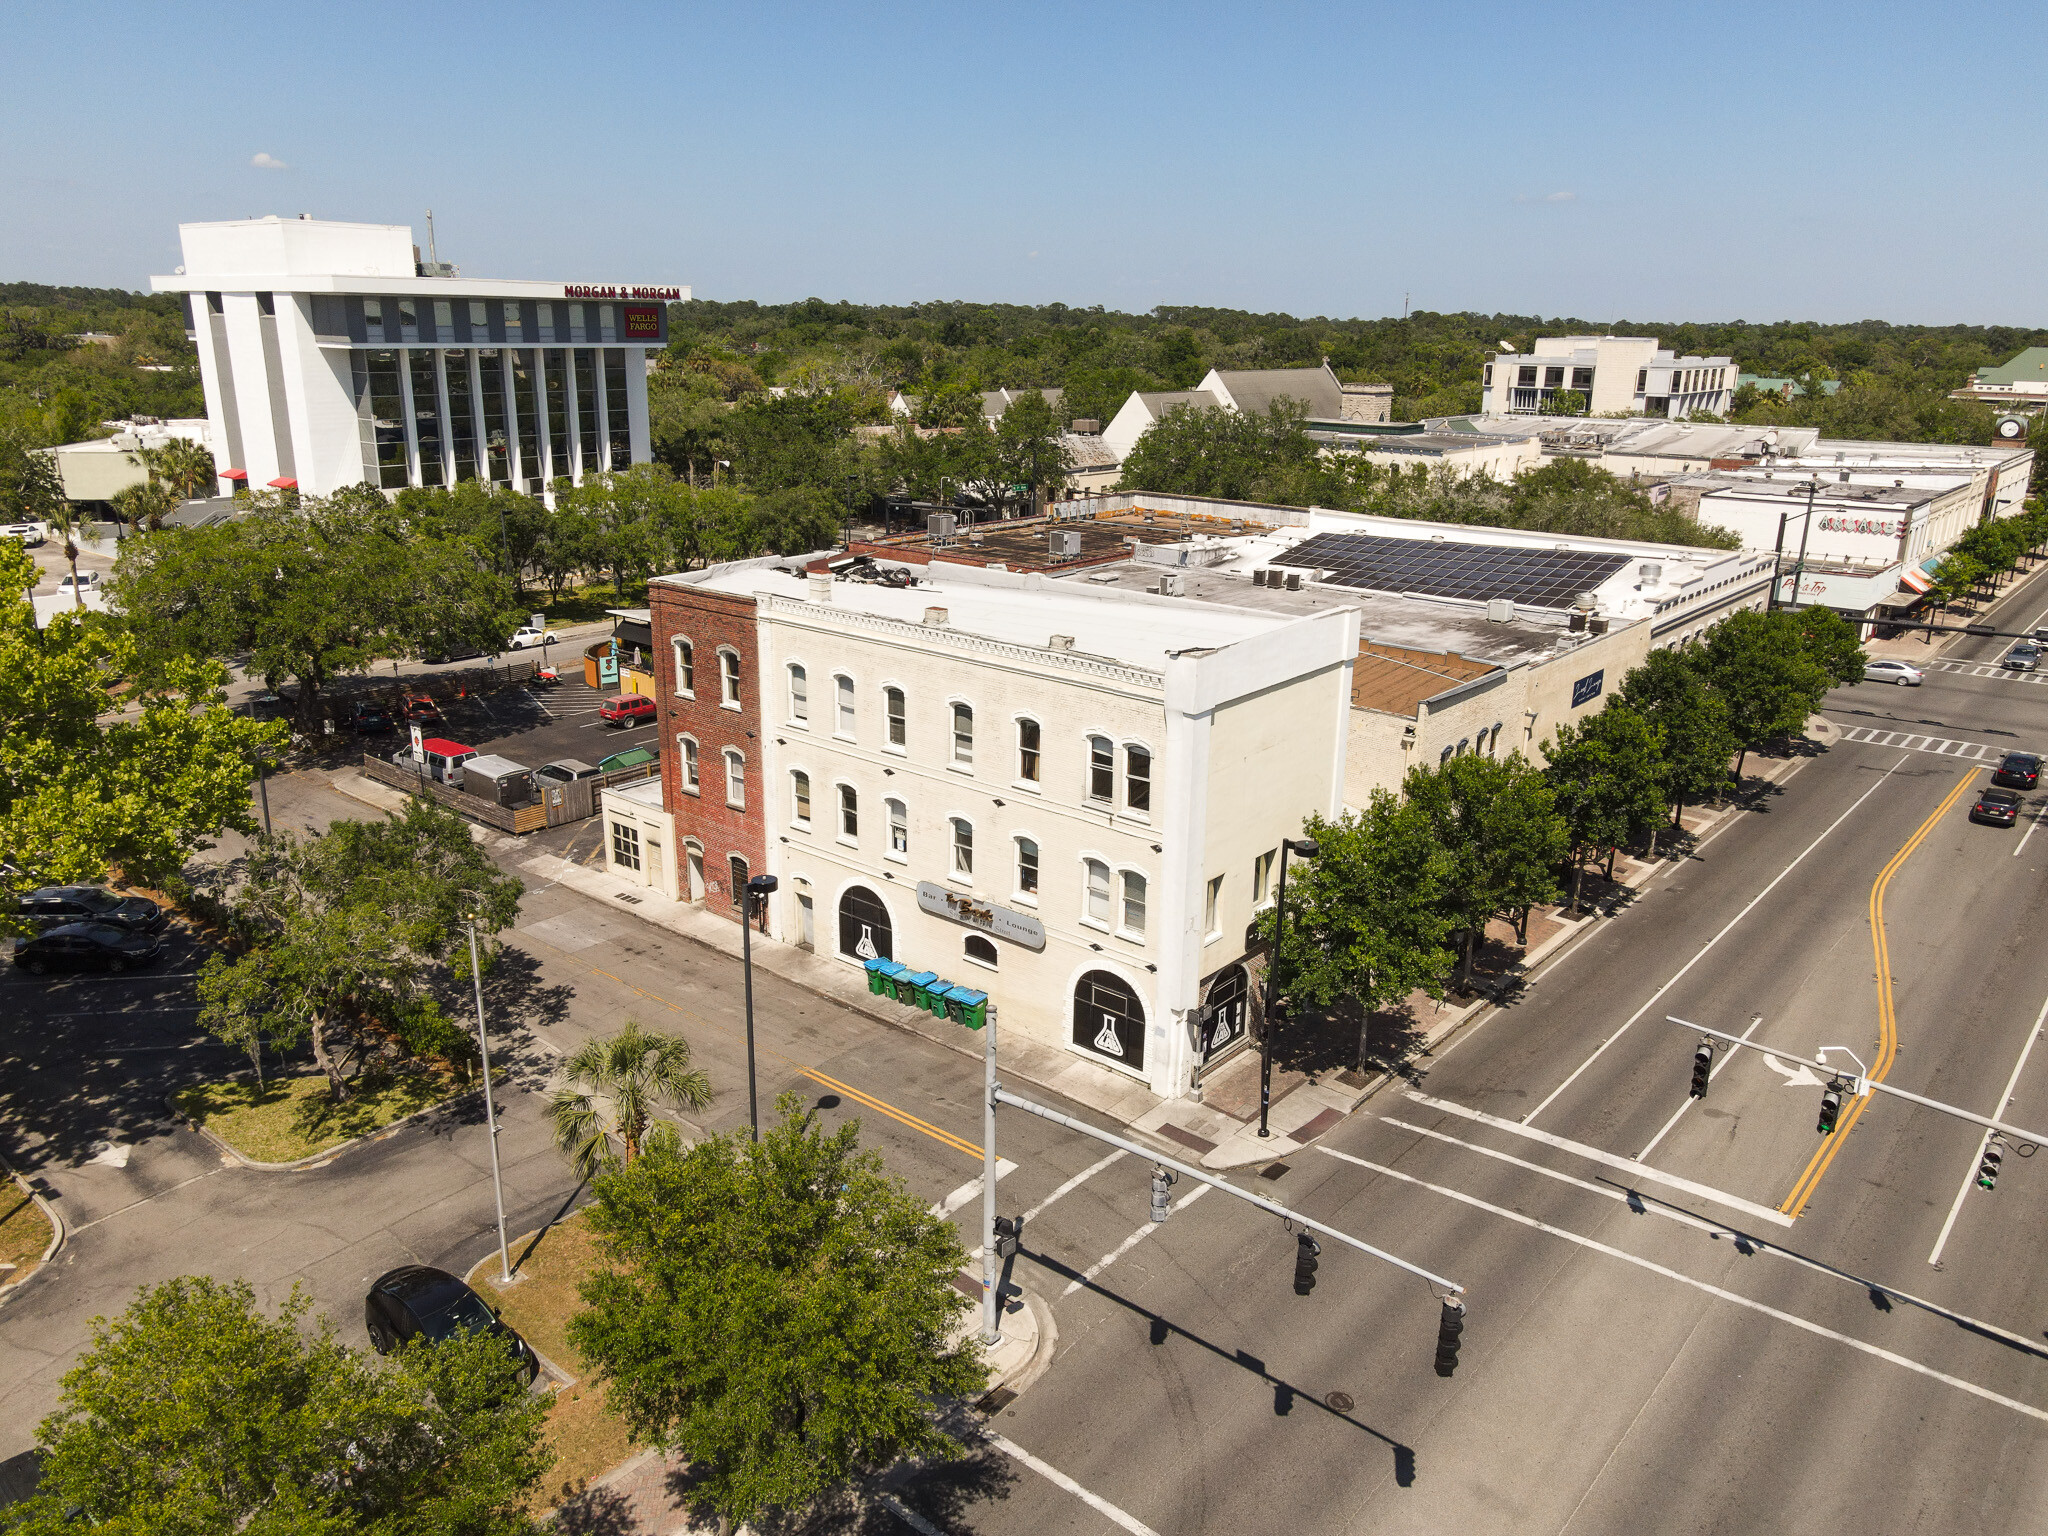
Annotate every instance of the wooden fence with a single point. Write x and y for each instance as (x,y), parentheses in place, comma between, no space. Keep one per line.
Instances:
(579,801)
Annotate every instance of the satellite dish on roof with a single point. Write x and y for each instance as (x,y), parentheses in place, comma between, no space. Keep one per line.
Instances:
(1507,346)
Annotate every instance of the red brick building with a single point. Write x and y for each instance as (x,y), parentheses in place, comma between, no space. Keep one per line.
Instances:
(705,646)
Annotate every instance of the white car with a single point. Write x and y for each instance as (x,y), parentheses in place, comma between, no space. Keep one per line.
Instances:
(30,534)
(85,581)
(526,635)
(1885,670)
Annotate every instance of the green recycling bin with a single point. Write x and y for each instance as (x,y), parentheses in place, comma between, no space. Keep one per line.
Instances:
(874,970)
(966,1006)
(892,973)
(935,998)
(912,987)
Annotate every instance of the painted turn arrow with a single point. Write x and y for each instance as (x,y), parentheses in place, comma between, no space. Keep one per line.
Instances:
(1795,1077)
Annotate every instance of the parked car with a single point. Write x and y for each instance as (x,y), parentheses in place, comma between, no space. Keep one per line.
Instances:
(421,707)
(84,581)
(2023,657)
(440,651)
(370,719)
(57,905)
(416,1301)
(526,635)
(2018,770)
(1885,670)
(1999,807)
(85,947)
(566,770)
(632,757)
(30,534)
(626,709)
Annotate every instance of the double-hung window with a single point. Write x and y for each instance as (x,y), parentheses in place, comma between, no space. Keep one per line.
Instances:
(899,826)
(729,678)
(800,798)
(1133,917)
(1027,751)
(686,668)
(1137,779)
(735,780)
(963,848)
(687,750)
(843,686)
(1097,892)
(849,812)
(892,706)
(1101,770)
(1027,867)
(963,734)
(799,695)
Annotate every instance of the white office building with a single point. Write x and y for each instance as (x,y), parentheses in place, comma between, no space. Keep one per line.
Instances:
(1612,373)
(332,356)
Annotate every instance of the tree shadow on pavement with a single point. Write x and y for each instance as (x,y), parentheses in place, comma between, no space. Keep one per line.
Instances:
(597,1512)
(515,993)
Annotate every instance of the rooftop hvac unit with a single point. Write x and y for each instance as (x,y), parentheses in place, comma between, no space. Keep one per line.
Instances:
(1577,621)
(1172,584)
(1089,425)
(1596,626)
(938,526)
(1294,581)
(1499,610)
(1065,543)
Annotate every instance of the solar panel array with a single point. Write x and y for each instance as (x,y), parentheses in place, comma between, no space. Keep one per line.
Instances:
(1537,578)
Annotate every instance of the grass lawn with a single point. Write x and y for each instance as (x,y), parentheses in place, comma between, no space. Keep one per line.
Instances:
(586,605)
(587,1441)
(24,1232)
(290,1117)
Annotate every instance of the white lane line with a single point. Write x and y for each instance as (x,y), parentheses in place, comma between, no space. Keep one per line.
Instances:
(1721,1229)
(1071,1185)
(1717,938)
(86,1226)
(1687,1103)
(1060,1479)
(1614,1160)
(1721,1292)
(971,1190)
(1131,1242)
(2005,1098)
(2030,827)
(909,1516)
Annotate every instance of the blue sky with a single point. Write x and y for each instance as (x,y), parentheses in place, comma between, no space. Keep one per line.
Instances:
(1650,162)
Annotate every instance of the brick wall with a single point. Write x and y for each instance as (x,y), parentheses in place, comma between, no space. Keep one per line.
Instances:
(710,622)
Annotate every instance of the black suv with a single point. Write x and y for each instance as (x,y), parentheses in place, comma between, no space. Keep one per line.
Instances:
(2018,770)
(370,719)
(85,947)
(415,1301)
(54,905)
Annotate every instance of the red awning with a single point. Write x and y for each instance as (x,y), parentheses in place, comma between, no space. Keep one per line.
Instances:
(234,474)
(283,483)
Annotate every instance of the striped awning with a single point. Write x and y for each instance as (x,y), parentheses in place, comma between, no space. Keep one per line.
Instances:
(1921,577)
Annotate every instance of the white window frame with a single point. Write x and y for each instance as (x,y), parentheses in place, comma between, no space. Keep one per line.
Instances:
(954,761)
(968,954)
(800,808)
(690,765)
(1122,897)
(735,772)
(896,814)
(799,677)
(1089,864)
(1144,812)
(1035,782)
(889,722)
(626,845)
(845,706)
(1262,879)
(730,670)
(956,827)
(1212,910)
(846,803)
(1017,891)
(684,655)
(1090,768)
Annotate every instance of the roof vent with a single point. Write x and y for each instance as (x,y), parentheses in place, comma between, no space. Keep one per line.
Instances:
(1060,643)
(1586,602)
(1649,574)
(820,586)
(1499,610)
(936,617)
(1294,581)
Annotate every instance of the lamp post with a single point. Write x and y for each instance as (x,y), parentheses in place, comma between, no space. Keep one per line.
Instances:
(759,889)
(1306,847)
(1778,551)
(483,1046)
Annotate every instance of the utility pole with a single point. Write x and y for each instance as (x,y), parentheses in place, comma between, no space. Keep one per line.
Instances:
(991,1310)
(483,1046)
(1306,847)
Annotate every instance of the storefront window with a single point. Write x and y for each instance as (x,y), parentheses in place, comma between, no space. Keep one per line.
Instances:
(555,370)
(588,426)
(617,426)
(461,415)
(426,415)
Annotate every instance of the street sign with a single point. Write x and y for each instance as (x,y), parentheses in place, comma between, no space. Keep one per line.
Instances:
(417,752)
(608,668)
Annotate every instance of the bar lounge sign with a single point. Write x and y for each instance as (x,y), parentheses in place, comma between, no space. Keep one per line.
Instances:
(1017,927)
(617,291)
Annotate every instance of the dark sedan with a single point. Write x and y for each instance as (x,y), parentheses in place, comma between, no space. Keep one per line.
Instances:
(416,1301)
(85,947)
(2018,770)
(1998,807)
(371,720)
(55,905)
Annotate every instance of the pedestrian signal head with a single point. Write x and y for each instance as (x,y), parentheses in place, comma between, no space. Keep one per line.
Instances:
(1305,1250)
(1448,1328)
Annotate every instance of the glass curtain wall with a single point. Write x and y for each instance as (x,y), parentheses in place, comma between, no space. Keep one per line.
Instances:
(426,415)
(461,415)
(526,400)
(381,408)
(589,425)
(497,433)
(617,426)
(555,367)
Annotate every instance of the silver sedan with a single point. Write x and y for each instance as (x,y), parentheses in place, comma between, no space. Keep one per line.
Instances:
(1886,670)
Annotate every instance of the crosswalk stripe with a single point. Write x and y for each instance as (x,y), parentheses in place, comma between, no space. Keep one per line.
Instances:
(1939,746)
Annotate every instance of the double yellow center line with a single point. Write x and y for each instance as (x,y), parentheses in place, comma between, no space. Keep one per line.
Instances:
(1887,1015)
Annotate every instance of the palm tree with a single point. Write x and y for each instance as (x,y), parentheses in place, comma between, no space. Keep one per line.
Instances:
(146,505)
(634,1069)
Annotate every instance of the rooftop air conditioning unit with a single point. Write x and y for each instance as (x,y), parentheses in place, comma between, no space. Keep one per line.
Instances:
(1172,584)
(939,526)
(1065,543)
(1596,626)
(1499,610)
(1294,581)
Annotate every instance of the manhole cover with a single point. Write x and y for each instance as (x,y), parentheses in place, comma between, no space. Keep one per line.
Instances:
(1341,1401)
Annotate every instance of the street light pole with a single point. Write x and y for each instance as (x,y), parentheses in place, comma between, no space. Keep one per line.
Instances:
(1306,847)
(483,1046)
(1805,528)
(1777,565)
(759,889)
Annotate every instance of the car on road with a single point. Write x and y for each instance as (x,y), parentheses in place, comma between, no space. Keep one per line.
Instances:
(368,719)
(439,652)
(54,906)
(526,635)
(626,709)
(421,707)
(417,1301)
(1998,807)
(30,534)
(566,770)
(2023,657)
(2018,770)
(2041,634)
(1886,670)
(86,947)
(632,757)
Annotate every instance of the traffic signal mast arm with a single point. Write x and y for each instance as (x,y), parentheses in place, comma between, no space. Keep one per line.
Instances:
(1865,1084)
(1000,1096)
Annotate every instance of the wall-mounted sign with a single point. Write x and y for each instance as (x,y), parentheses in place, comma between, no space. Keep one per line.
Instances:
(643,320)
(618,291)
(1017,927)
(1878,525)
(1587,688)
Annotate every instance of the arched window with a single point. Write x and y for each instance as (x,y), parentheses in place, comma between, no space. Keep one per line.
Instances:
(1027,751)
(892,705)
(729,678)
(737,869)
(981,951)
(963,847)
(963,734)
(1101,770)
(686,754)
(1027,867)
(800,798)
(686,667)
(849,811)
(865,932)
(1445,756)
(1096,899)
(1137,778)
(844,723)
(799,695)
(735,780)
(1132,917)
(1109,1019)
(899,826)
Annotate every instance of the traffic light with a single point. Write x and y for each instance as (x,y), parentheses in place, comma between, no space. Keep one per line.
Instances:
(1702,1068)
(1987,1166)
(1830,1108)
(1162,1202)
(1305,1250)
(1448,1327)
(1009,1233)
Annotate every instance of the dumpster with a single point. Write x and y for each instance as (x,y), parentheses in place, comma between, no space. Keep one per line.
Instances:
(891,972)
(874,970)
(911,985)
(935,998)
(966,1006)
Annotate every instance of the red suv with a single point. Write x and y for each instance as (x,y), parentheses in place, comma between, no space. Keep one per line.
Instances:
(626,709)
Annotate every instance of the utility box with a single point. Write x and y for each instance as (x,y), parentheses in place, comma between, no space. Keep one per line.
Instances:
(498,780)
(1065,543)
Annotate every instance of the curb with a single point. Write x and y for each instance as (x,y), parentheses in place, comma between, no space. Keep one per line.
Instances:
(313,1159)
(56,1229)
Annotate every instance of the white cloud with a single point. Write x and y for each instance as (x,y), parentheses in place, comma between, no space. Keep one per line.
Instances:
(267,162)
(1560,197)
